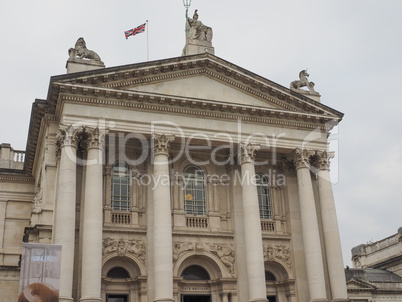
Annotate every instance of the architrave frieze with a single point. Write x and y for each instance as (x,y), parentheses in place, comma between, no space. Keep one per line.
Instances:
(187,106)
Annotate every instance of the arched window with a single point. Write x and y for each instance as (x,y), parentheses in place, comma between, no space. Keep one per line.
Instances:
(195,272)
(120,187)
(118,272)
(269,276)
(194,191)
(264,197)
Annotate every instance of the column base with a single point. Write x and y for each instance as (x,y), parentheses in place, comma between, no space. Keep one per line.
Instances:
(259,300)
(65,299)
(164,300)
(319,300)
(340,300)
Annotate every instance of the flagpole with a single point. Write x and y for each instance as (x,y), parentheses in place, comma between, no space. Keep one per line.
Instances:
(147,43)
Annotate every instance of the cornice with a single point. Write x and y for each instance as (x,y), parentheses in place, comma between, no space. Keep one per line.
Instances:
(210,65)
(195,107)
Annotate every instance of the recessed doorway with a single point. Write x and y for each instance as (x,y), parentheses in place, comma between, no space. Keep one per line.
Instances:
(196,298)
(116,298)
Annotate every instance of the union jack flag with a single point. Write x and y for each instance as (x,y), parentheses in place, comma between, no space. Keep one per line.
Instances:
(134,31)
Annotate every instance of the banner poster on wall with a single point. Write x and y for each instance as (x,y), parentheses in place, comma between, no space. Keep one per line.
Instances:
(40,273)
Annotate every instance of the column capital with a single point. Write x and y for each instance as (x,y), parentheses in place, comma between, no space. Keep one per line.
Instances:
(322,159)
(161,143)
(66,135)
(247,152)
(300,157)
(92,137)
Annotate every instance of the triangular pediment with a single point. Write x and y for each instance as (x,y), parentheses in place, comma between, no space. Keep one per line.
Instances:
(204,84)
(359,285)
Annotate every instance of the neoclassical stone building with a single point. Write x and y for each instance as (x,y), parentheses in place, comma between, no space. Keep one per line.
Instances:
(187,179)
(377,270)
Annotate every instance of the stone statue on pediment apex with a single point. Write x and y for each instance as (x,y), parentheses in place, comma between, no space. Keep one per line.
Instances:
(199,31)
(81,51)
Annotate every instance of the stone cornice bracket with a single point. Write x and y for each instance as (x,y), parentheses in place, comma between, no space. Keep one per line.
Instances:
(247,152)
(301,158)
(66,135)
(161,143)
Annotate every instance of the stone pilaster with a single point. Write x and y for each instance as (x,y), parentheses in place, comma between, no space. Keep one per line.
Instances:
(162,236)
(310,231)
(66,150)
(252,225)
(330,229)
(93,214)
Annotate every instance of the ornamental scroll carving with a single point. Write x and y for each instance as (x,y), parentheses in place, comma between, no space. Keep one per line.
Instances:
(123,247)
(278,252)
(247,152)
(161,143)
(224,252)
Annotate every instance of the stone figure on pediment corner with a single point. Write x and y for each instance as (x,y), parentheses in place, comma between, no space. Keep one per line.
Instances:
(80,51)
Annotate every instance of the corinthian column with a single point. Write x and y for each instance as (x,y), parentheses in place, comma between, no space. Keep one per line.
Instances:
(92,222)
(163,268)
(252,225)
(310,231)
(64,222)
(331,230)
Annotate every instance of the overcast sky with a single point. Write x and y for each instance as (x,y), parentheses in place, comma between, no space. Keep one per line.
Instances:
(352,49)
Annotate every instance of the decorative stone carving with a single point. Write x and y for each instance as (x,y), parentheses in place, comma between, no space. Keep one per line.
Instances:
(92,138)
(303,82)
(198,31)
(122,247)
(181,247)
(322,160)
(161,143)
(81,51)
(247,152)
(225,252)
(37,202)
(66,135)
(300,158)
(278,252)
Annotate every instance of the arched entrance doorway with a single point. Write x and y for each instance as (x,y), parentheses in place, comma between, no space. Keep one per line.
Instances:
(196,277)
(280,288)
(122,280)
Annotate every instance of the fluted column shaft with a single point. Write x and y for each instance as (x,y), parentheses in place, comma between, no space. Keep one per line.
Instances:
(66,208)
(331,231)
(162,250)
(93,220)
(310,230)
(252,226)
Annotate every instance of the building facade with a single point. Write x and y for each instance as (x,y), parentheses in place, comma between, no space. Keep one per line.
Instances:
(187,179)
(377,270)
